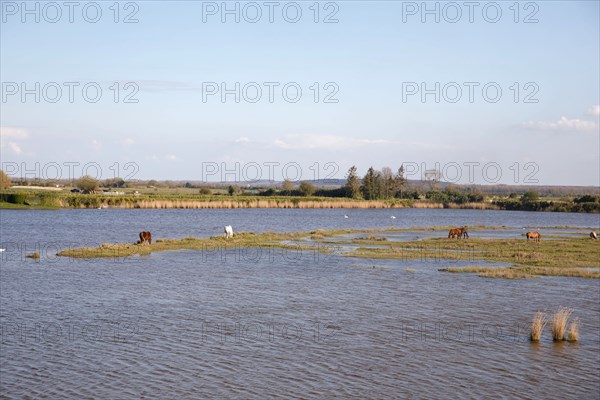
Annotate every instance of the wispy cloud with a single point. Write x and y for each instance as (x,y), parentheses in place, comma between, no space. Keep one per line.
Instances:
(325,142)
(15,133)
(564,124)
(593,111)
(15,148)
(152,85)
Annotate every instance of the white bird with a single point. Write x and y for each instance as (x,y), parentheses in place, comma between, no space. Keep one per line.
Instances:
(345,216)
(392,217)
(1,250)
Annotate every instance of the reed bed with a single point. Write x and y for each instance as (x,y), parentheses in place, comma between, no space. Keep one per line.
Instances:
(259,203)
(474,206)
(559,323)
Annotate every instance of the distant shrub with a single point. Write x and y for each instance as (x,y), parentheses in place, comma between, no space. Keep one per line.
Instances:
(587,199)
(14,198)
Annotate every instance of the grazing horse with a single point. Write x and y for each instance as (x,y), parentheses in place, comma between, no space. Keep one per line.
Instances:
(145,236)
(228,232)
(464,233)
(534,235)
(455,232)
(593,235)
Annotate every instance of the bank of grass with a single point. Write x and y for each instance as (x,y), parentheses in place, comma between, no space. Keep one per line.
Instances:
(524,272)
(240,240)
(564,256)
(568,257)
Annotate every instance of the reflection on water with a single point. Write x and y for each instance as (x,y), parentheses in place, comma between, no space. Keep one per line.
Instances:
(188,324)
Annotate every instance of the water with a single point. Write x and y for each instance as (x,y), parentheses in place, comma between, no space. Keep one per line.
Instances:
(270,323)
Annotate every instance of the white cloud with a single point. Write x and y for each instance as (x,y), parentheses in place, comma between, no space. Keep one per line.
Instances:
(563,125)
(15,148)
(16,133)
(170,157)
(128,142)
(325,142)
(96,145)
(242,140)
(594,111)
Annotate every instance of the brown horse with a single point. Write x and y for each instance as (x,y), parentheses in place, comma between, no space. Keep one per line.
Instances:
(534,235)
(593,235)
(145,236)
(455,232)
(464,233)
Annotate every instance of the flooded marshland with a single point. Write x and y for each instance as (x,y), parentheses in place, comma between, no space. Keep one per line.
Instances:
(256,323)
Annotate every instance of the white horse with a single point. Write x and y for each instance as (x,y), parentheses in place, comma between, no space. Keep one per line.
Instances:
(228,232)
(593,235)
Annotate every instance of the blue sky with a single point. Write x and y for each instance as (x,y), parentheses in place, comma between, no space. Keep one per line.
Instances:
(370,58)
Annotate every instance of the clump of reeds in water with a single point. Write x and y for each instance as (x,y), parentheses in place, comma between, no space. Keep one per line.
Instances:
(537,326)
(559,323)
(573,334)
(35,255)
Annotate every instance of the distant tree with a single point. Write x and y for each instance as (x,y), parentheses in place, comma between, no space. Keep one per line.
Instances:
(530,197)
(87,184)
(205,191)
(476,196)
(113,183)
(287,185)
(587,199)
(307,188)
(4,180)
(352,186)
(232,189)
(399,181)
(372,185)
(387,182)
(268,192)
(513,195)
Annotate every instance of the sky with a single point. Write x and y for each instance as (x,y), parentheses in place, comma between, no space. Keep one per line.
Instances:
(484,92)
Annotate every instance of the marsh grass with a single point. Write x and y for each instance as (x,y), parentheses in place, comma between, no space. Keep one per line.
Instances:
(559,323)
(35,255)
(524,272)
(573,334)
(537,326)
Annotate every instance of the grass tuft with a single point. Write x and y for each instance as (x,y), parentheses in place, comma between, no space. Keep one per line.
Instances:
(573,334)
(35,255)
(559,323)
(537,326)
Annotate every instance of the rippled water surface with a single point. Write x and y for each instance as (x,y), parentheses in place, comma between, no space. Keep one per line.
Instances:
(269,323)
